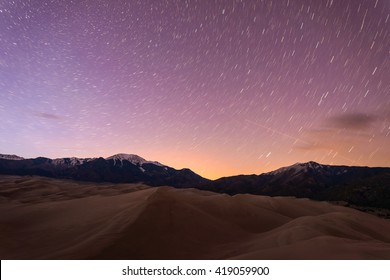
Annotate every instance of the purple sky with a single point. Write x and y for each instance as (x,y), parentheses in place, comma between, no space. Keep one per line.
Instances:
(221,87)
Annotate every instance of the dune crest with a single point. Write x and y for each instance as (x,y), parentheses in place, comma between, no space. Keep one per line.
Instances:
(44,218)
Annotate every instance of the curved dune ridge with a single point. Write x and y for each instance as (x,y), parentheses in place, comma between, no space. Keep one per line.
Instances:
(44,218)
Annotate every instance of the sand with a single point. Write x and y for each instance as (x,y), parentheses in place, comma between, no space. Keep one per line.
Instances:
(42,218)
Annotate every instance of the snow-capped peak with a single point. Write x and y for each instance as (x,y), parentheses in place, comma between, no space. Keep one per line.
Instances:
(298,167)
(128,157)
(70,161)
(10,157)
(134,159)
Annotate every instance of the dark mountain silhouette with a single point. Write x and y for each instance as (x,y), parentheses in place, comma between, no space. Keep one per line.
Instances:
(121,168)
(361,186)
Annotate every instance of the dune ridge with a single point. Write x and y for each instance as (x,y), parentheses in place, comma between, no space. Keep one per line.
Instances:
(43,218)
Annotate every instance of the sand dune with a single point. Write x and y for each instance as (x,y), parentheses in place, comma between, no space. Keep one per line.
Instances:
(44,218)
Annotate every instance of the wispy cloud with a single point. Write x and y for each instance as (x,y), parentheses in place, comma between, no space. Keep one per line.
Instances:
(48,116)
(342,130)
(352,121)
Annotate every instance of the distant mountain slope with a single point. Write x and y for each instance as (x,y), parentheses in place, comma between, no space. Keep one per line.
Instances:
(10,157)
(365,186)
(361,186)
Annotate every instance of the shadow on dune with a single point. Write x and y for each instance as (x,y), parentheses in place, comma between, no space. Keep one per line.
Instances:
(44,218)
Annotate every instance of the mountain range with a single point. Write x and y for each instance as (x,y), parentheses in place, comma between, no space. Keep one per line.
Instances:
(361,186)
(119,168)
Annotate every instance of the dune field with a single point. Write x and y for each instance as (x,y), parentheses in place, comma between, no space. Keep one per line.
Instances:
(43,218)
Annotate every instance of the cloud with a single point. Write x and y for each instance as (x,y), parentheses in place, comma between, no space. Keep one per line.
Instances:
(348,137)
(342,130)
(48,116)
(352,121)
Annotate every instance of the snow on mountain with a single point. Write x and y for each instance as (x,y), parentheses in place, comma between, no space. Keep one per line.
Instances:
(70,161)
(74,161)
(298,168)
(10,157)
(134,159)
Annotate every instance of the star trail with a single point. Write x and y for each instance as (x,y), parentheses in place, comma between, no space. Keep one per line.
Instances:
(221,87)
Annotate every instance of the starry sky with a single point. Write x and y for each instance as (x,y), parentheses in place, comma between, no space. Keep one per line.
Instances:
(223,87)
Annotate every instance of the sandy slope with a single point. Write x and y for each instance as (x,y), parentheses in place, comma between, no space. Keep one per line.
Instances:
(43,218)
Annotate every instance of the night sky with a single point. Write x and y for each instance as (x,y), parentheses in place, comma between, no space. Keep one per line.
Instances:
(221,87)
